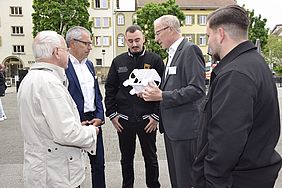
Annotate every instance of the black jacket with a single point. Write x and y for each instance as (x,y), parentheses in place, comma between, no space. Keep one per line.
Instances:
(240,124)
(118,100)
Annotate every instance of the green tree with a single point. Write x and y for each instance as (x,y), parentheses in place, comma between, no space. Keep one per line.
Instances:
(257,29)
(273,52)
(59,15)
(146,17)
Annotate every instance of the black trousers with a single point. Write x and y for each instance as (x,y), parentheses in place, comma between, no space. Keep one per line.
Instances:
(127,145)
(97,162)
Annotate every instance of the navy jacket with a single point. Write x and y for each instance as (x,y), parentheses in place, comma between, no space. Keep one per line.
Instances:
(76,92)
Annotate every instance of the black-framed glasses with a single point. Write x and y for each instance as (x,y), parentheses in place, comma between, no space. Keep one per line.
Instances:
(84,42)
(159,31)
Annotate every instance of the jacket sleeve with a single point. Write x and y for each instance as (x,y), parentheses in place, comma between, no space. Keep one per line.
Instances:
(111,90)
(159,67)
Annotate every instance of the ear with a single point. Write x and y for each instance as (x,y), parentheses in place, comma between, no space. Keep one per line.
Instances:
(56,53)
(221,32)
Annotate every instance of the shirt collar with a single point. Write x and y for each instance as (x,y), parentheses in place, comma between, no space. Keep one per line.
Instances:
(172,49)
(75,61)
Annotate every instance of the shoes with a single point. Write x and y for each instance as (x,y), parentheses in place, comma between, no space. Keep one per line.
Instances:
(2,119)
(5,117)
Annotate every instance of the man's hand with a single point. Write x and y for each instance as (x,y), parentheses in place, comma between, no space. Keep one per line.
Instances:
(151,126)
(96,122)
(83,123)
(116,124)
(152,92)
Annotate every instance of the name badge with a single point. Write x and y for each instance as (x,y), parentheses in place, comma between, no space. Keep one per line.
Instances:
(171,70)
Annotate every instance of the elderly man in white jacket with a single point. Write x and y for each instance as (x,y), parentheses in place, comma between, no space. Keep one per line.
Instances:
(54,138)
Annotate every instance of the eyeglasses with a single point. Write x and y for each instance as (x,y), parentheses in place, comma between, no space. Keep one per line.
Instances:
(84,42)
(159,31)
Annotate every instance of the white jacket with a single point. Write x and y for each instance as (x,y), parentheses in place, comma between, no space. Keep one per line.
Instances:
(54,140)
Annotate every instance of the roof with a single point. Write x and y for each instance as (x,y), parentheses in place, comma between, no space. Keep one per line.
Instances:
(192,4)
(277,30)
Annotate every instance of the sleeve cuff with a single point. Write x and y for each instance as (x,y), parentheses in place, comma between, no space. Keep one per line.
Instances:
(111,116)
(155,117)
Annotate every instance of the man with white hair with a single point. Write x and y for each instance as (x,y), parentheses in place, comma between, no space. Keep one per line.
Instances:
(54,138)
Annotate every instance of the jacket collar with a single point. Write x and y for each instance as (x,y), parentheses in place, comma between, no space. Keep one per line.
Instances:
(233,54)
(59,72)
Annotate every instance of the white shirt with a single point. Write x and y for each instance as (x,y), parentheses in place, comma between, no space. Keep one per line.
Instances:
(86,82)
(52,132)
(171,51)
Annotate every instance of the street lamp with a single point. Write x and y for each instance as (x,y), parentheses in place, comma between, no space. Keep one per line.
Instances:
(103,64)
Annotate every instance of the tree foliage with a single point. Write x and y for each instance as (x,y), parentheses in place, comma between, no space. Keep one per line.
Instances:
(59,15)
(146,17)
(273,52)
(257,29)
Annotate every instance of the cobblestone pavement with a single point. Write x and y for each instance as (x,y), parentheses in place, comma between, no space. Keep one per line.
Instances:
(11,155)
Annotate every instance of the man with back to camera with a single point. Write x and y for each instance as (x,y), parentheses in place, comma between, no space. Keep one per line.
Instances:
(240,116)
(84,89)
(54,139)
(130,114)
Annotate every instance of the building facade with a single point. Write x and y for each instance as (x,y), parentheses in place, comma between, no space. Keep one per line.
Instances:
(110,20)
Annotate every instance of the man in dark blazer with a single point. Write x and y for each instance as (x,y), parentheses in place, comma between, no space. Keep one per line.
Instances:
(84,89)
(182,87)
(240,116)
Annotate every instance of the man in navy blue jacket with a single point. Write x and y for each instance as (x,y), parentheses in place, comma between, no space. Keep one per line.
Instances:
(84,89)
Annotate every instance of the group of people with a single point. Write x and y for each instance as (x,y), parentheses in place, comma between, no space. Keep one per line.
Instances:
(226,138)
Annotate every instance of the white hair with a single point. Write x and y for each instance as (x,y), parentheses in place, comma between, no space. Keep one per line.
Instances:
(169,20)
(44,44)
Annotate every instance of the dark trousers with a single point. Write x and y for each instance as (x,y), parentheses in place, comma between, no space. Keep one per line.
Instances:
(97,161)
(127,145)
(180,156)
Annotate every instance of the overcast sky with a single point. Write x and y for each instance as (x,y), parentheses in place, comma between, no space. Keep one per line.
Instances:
(269,9)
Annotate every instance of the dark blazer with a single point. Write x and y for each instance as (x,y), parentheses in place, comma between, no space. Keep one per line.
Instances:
(76,92)
(182,92)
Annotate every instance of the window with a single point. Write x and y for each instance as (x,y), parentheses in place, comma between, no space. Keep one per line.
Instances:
(202,39)
(106,40)
(189,20)
(202,19)
(120,40)
(107,22)
(17,30)
(190,37)
(100,4)
(97,41)
(120,19)
(16,11)
(99,62)
(97,22)
(18,48)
